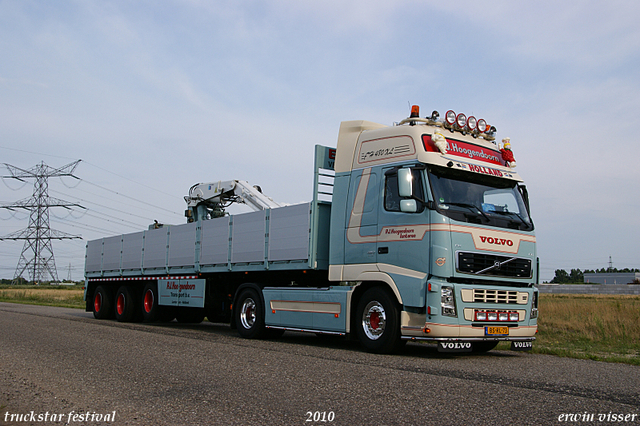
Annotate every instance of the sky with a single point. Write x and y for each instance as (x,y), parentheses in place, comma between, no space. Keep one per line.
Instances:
(155,96)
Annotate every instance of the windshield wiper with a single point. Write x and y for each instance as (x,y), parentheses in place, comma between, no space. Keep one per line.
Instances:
(470,206)
(516,215)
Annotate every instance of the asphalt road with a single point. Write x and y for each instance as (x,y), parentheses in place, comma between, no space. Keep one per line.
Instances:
(62,362)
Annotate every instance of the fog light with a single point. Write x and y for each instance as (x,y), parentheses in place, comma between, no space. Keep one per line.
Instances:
(481,316)
(513,316)
(503,316)
(492,316)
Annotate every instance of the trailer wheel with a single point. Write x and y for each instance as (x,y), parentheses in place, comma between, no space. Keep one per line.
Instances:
(249,315)
(150,308)
(378,321)
(125,304)
(102,303)
(480,347)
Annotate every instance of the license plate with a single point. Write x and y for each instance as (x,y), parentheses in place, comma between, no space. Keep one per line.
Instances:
(496,331)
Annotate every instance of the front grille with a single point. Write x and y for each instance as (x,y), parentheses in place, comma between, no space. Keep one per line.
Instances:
(494,296)
(492,265)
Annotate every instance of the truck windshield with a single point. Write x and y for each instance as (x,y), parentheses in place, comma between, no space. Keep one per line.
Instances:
(475,198)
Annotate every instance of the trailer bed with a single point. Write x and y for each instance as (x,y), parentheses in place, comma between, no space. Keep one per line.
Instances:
(286,238)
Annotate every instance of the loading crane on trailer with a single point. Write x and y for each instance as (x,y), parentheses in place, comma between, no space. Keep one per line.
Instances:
(209,200)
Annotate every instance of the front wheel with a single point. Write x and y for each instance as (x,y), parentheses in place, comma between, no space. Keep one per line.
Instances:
(249,314)
(378,321)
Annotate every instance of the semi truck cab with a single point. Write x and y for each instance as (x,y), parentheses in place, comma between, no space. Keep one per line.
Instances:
(429,212)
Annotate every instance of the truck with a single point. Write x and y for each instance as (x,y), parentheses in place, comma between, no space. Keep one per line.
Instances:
(418,231)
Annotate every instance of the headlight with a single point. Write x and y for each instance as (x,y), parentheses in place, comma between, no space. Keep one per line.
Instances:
(534,305)
(448,301)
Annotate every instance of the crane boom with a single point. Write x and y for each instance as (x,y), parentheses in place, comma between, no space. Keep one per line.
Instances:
(213,197)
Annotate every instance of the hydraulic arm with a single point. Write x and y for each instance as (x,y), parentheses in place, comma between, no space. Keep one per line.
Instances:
(209,200)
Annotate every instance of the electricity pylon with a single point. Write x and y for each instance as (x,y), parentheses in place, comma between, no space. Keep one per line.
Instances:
(38,235)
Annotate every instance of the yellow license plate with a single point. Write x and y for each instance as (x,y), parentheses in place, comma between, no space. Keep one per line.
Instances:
(496,331)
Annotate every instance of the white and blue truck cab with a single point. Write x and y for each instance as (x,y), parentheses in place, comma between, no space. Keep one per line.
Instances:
(416,231)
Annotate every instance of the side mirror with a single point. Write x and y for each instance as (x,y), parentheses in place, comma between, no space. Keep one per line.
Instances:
(405,183)
(408,206)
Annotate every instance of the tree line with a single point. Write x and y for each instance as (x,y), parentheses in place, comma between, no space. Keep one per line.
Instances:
(576,276)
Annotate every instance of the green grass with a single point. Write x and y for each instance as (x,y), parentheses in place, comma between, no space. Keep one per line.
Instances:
(62,296)
(597,327)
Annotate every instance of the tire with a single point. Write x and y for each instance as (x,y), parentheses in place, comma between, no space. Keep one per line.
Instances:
(249,315)
(481,347)
(190,315)
(378,321)
(102,303)
(126,305)
(150,307)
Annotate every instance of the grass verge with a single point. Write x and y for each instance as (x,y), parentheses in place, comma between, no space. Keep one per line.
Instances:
(597,327)
(63,296)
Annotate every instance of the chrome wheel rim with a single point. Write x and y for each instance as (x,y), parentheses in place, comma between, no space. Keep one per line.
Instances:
(374,320)
(248,313)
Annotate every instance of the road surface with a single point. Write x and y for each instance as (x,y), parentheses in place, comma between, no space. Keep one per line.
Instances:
(62,364)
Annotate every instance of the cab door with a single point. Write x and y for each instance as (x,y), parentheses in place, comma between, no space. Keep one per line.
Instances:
(403,222)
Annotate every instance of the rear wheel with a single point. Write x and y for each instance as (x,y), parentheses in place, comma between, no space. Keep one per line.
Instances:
(249,314)
(378,321)
(151,311)
(102,303)
(126,304)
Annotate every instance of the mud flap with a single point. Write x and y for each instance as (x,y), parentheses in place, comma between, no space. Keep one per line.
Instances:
(521,346)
